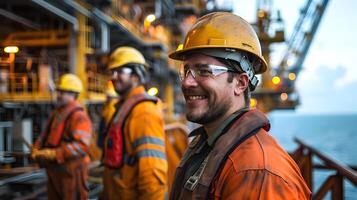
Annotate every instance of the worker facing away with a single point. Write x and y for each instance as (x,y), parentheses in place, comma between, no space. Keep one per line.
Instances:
(134,149)
(232,155)
(63,147)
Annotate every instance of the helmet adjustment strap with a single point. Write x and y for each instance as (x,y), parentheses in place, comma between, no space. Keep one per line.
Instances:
(240,61)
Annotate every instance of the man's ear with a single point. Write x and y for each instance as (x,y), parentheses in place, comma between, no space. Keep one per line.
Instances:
(241,82)
(135,78)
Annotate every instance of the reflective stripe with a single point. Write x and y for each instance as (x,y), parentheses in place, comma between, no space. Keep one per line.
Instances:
(79,149)
(81,132)
(85,136)
(148,140)
(151,153)
(71,149)
(86,141)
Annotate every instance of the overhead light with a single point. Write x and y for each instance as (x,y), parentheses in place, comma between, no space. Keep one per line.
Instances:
(150,18)
(262,13)
(276,80)
(153,91)
(253,102)
(11,49)
(292,76)
(284,96)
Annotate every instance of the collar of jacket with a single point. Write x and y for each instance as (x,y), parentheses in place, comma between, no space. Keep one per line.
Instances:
(241,129)
(74,103)
(221,129)
(137,90)
(57,123)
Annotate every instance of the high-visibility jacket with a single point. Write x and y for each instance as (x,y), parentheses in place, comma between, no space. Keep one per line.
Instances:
(106,115)
(143,176)
(245,162)
(68,131)
(73,139)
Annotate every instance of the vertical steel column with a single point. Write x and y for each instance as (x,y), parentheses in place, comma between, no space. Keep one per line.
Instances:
(169,99)
(80,68)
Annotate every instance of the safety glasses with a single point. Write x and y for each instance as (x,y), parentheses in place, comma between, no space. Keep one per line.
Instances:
(121,70)
(203,71)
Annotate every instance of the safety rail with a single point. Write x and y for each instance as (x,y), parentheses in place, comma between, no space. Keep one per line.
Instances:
(28,86)
(303,156)
(22,82)
(97,82)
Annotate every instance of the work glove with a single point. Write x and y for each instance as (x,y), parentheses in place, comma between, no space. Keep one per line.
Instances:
(47,154)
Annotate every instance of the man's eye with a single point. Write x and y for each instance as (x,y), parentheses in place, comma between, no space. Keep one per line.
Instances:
(204,72)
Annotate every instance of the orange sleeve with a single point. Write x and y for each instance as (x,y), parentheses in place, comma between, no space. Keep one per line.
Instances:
(148,141)
(255,184)
(80,133)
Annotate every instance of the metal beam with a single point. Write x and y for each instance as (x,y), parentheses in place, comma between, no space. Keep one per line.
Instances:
(69,18)
(19,19)
(78,8)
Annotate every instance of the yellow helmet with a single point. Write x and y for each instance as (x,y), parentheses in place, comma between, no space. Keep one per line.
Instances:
(225,31)
(125,55)
(110,90)
(70,82)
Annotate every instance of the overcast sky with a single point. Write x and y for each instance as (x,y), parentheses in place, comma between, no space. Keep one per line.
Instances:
(328,82)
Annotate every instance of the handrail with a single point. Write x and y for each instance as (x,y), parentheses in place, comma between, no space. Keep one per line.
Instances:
(27,86)
(341,168)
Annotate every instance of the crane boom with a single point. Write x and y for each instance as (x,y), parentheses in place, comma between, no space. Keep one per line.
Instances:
(301,39)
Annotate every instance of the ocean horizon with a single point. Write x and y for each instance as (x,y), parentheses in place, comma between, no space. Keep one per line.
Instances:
(333,134)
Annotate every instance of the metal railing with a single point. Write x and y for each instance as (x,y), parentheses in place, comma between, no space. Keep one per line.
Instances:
(334,183)
(97,82)
(27,86)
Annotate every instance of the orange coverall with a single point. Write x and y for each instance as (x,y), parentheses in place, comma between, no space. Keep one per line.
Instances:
(144,139)
(67,175)
(258,168)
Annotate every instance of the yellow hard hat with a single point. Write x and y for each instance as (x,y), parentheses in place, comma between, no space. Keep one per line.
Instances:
(70,82)
(222,30)
(125,55)
(110,90)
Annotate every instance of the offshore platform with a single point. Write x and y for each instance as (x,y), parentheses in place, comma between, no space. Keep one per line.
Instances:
(43,39)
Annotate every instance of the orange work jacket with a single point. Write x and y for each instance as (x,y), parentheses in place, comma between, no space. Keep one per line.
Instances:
(69,132)
(75,136)
(144,140)
(245,162)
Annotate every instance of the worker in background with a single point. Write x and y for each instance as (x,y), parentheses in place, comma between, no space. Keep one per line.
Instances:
(232,155)
(63,147)
(134,149)
(108,111)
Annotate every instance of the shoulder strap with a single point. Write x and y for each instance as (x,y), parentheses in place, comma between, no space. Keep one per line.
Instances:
(128,105)
(65,137)
(57,126)
(243,128)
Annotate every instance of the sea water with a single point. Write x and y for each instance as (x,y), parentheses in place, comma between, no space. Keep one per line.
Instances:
(333,134)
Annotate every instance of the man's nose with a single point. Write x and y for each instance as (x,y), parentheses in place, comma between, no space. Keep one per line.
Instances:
(189,79)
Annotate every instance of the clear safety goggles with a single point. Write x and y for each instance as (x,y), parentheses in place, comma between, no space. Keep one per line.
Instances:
(203,71)
(121,70)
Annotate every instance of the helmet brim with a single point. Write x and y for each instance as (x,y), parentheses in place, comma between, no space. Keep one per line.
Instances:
(180,54)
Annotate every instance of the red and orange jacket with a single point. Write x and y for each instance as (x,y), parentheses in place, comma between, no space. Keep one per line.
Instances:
(144,140)
(68,131)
